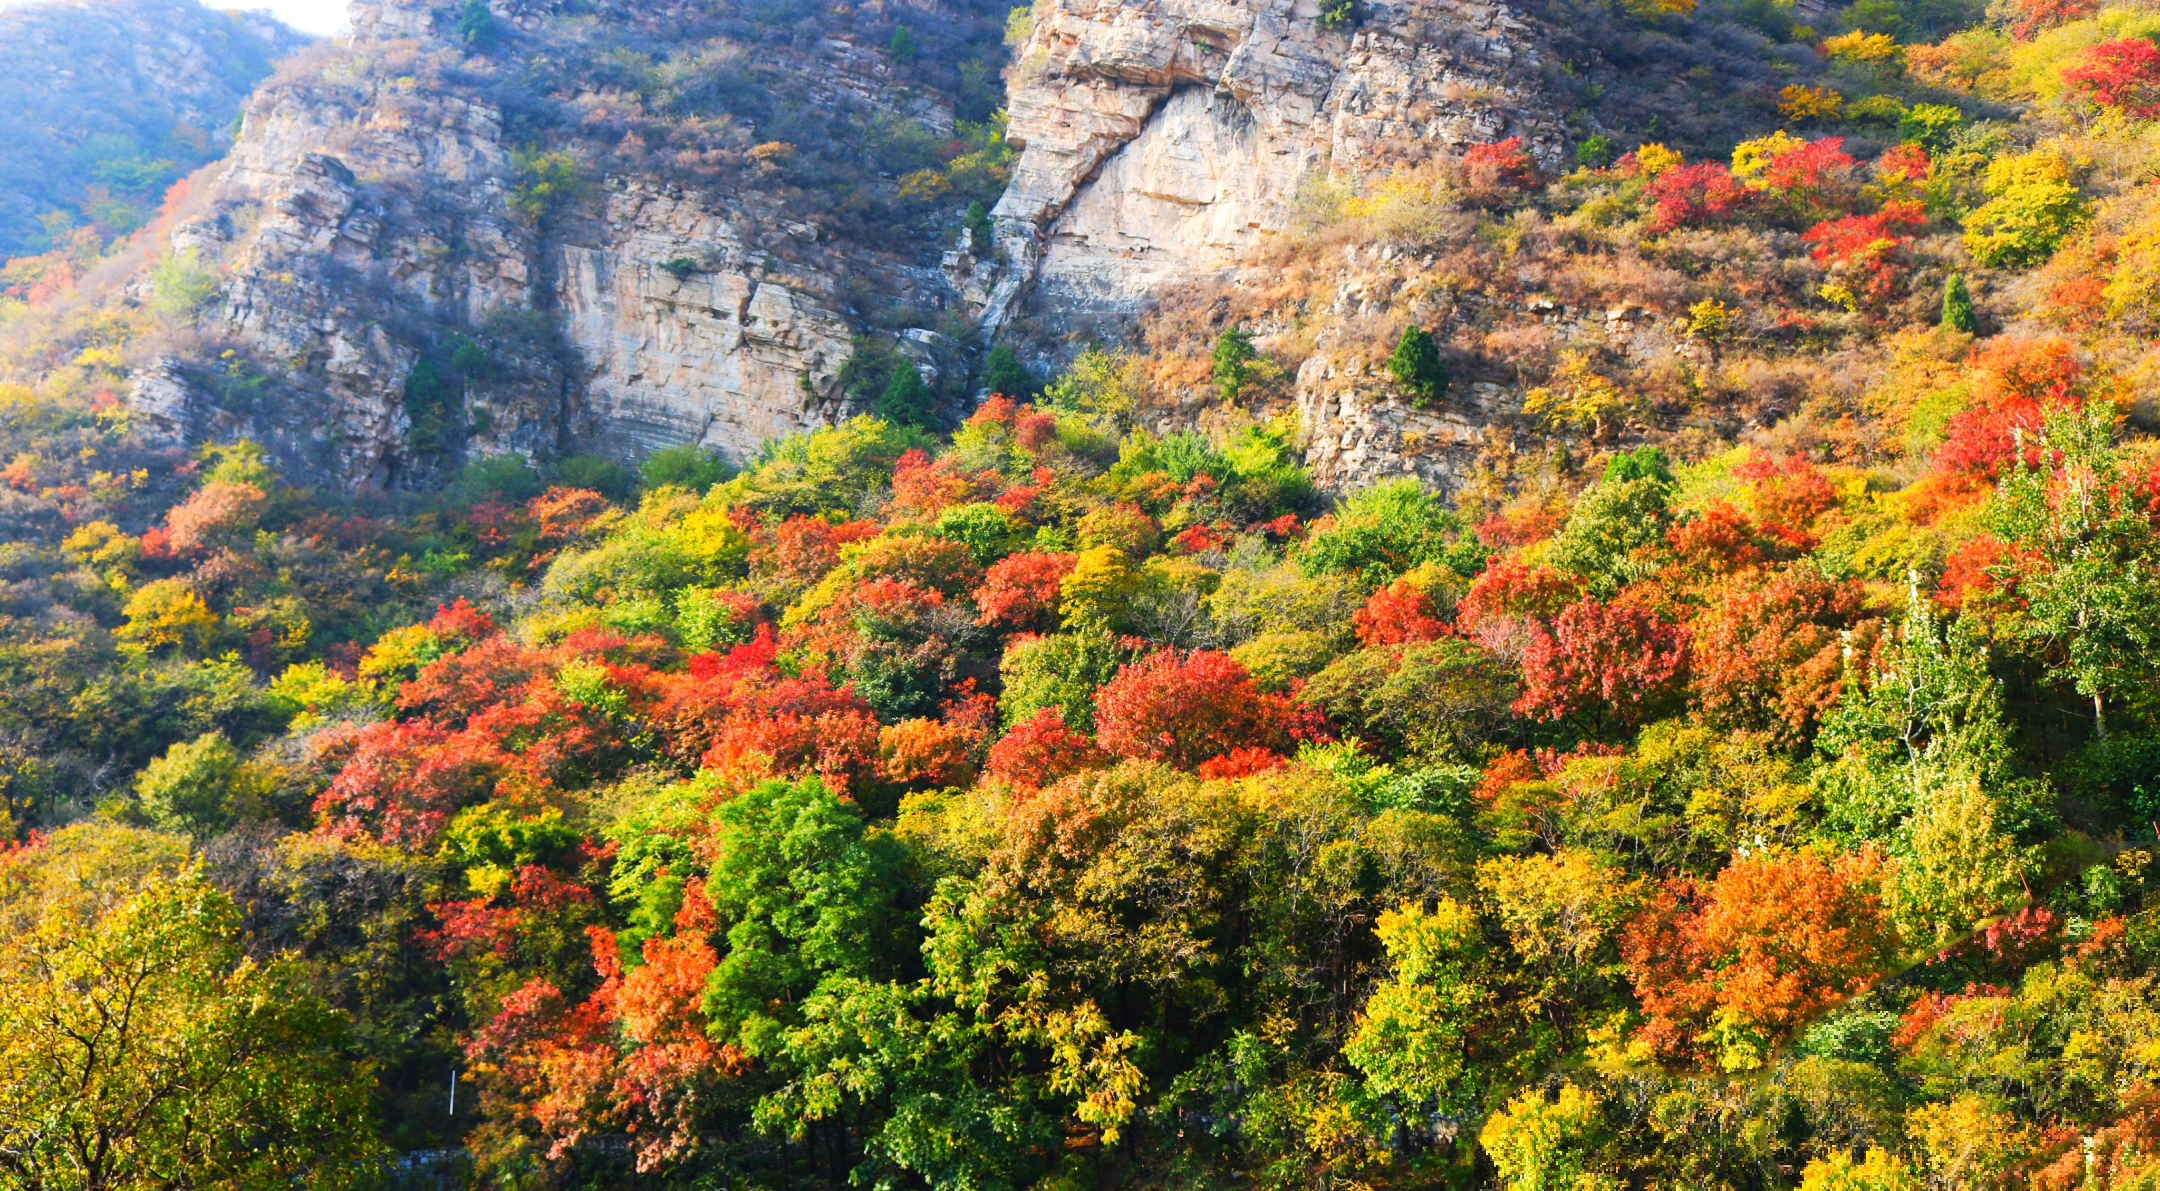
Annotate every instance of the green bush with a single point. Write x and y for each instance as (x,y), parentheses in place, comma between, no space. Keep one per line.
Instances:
(180,286)
(686,465)
(1416,366)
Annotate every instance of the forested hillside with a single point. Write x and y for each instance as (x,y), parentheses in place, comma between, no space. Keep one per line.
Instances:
(105,104)
(1632,671)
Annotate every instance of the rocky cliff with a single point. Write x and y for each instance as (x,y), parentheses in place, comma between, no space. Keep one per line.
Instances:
(431,253)
(1167,139)
(432,249)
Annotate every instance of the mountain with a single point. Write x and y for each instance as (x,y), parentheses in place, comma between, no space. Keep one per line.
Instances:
(609,229)
(605,229)
(104,103)
(799,594)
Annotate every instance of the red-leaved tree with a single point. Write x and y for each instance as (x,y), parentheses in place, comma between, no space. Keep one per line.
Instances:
(1019,593)
(1510,602)
(633,1058)
(2121,76)
(1613,660)
(1041,749)
(1184,708)
(1693,196)
(1767,656)
(1399,614)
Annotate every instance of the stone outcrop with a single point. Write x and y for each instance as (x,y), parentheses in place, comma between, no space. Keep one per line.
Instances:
(403,307)
(367,221)
(1169,138)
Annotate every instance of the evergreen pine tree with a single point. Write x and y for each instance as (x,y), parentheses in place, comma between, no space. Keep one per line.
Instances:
(977,222)
(1416,366)
(1003,373)
(1233,351)
(1957,312)
(906,400)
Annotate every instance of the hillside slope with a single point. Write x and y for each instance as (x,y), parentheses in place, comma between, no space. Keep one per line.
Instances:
(104,103)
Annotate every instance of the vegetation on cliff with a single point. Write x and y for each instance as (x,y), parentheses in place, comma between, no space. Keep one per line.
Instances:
(1741,778)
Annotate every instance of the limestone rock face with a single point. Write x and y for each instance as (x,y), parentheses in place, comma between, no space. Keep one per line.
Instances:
(368,231)
(727,354)
(396,299)
(1168,139)
(340,275)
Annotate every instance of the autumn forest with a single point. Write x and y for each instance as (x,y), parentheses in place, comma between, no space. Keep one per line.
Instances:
(1745,774)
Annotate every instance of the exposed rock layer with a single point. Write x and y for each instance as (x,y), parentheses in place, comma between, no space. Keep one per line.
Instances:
(1169,138)
(368,224)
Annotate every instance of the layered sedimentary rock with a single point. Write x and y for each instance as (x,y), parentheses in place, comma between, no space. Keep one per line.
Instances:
(403,304)
(1170,138)
(369,220)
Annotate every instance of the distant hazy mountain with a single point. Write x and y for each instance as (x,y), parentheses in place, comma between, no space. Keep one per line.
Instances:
(103,103)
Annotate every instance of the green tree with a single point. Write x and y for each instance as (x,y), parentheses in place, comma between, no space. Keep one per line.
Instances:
(141,1048)
(805,897)
(1436,701)
(2094,578)
(1597,152)
(1928,717)
(1410,1040)
(1417,368)
(476,26)
(199,786)
(1957,306)
(430,411)
(981,235)
(1061,670)
(548,182)
(1231,362)
(906,399)
(1386,530)
(1101,386)
(1617,523)
(1003,373)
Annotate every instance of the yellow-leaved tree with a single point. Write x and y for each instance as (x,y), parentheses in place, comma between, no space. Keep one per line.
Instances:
(141,1047)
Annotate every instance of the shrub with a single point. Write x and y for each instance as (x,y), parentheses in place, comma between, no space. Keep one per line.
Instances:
(1416,367)
(685,465)
(180,286)
(1865,253)
(1803,104)
(1499,164)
